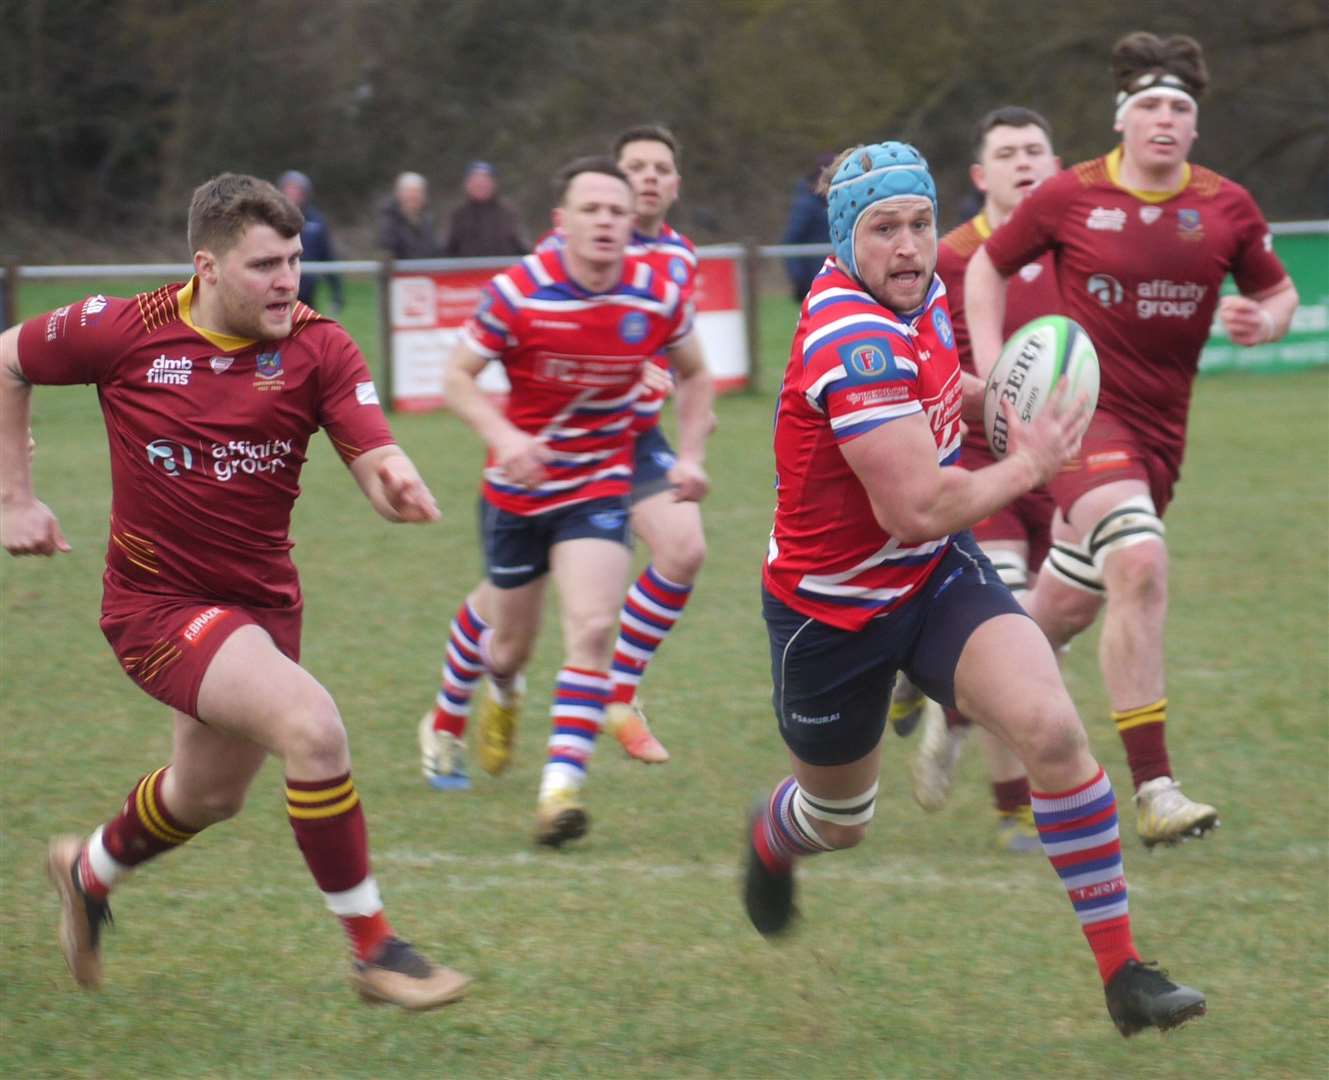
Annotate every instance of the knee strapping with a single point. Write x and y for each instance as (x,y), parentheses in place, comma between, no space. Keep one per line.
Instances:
(1081,565)
(857,810)
(1011,567)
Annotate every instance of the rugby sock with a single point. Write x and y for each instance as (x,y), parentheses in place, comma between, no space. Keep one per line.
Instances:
(1143,734)
(329,826)
(142,830)
(1010,795)
(782,831)
(1078,829)
(653,605)
(954,719)
(462,668)
(578,711)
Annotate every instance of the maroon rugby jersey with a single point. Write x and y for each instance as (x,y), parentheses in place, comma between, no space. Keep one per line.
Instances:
(207,435)
(1031,292)
(853,366)
(1140,271)
(574,360)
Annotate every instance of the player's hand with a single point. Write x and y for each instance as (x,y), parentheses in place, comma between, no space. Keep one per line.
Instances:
(656,378)
(31,529)
(689,480)
(406,492)
(522,458)
(1052,438)
(1245,321)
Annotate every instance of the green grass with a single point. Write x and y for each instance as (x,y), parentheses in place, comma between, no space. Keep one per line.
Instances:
(922,953)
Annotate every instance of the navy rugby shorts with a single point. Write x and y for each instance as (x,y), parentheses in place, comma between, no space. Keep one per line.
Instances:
(652,458)
(832,687)
(517,547)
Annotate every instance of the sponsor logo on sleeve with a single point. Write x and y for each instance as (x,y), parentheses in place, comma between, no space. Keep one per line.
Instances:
(1030,271)
(91,311)
(678,270)
(55,322)
(365,393)
(869,360)
(1106,219)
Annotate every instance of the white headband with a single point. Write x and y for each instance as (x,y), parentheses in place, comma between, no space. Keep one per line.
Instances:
(1155,86)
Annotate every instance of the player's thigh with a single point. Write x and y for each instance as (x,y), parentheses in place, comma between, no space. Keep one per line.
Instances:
(592,577)
(672,532)
(254,691)
(1007,680)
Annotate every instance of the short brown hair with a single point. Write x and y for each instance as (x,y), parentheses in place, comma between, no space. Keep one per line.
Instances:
(1142,53)
(573,169)
(1008,116)
(223,207)
(649,133)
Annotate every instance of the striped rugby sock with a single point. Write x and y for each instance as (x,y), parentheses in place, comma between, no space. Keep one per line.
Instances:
(329,826)
(462,668)
(782,830)
(142,830)
(1078,829)
(652,607)
(580,696)
(1143,734)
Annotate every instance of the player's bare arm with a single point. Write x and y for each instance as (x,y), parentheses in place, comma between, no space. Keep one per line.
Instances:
(985,308)
(393,486)
(1261,318)
(915,499)
(695,402)
(521,456)
(27,525)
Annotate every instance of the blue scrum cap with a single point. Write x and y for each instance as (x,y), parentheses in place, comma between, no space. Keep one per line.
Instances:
(870,175)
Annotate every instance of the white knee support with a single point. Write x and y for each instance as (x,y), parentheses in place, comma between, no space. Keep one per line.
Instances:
(857,810)
(1081,565)
(1011,567)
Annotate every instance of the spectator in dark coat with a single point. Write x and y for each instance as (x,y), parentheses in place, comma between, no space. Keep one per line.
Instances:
(316,239)
(484,224)
(405,222)
(807,225)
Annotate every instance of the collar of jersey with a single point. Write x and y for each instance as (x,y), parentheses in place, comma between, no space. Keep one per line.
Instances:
(981,225)
(226,342)
(1114,174)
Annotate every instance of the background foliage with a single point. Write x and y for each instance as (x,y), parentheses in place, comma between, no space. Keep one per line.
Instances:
(115,109)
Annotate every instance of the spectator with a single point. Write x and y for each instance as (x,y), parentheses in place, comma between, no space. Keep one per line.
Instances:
(315,238)
(406,224)
(807,225)
(484,224)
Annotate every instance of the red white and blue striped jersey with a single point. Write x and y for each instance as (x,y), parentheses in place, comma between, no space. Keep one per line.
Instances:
(574,361)
(854,366)
(674,256)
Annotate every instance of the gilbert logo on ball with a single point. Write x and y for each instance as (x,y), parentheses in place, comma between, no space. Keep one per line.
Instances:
(1034,359)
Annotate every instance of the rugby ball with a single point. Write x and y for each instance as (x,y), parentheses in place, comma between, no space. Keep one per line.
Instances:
(1031,363)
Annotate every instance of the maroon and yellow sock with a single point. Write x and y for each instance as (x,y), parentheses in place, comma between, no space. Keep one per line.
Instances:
(1010,795)
(329,826)
(142,830)
(1142,732)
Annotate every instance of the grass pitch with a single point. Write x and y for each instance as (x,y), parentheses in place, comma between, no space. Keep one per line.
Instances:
(921,953)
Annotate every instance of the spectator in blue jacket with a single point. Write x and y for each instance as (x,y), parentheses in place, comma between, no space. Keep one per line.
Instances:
(807,225)
(316,238)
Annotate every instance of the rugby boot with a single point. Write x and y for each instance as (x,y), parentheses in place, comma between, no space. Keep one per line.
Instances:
(496,729)
(559,817)
(933,767)
(442,757)
(1163,815)
(768,895)
(399,975)
(627,723)
(81,917)
(907,702)
(1140,996)
(1016,832)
